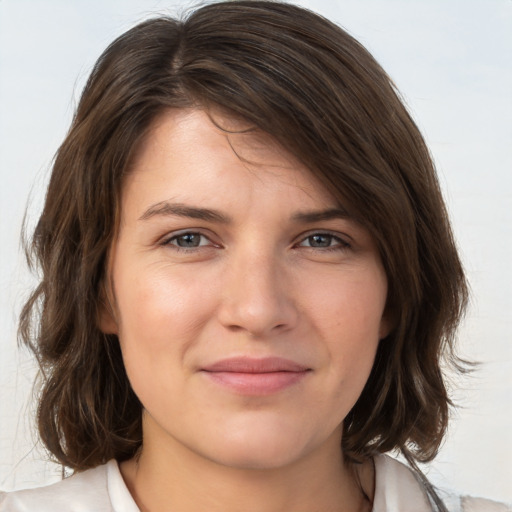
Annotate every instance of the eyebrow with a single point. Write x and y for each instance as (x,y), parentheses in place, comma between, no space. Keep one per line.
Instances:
(321,215)
(165,208)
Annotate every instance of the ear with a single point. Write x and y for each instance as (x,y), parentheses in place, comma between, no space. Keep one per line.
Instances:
(106,318)
(106,321)
(387,324)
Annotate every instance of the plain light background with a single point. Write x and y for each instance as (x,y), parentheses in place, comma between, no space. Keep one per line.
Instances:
(451,61)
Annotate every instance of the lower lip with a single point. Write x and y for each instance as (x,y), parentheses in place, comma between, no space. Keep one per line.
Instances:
(256,384)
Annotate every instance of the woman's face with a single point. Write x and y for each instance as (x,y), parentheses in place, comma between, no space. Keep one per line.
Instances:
(248,305)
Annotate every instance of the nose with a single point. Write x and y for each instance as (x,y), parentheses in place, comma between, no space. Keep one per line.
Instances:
(257,296)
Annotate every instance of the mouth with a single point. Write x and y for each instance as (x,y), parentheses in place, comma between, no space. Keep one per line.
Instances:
(256,376)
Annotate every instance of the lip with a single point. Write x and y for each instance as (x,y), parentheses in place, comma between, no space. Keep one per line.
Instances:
(255,376)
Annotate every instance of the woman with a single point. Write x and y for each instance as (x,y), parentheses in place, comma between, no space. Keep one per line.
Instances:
(249,278)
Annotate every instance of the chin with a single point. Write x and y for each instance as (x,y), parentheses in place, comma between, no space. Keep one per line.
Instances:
(261,447)
(261,458)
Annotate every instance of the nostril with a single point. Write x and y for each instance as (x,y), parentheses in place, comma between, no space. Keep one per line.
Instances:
(235,328)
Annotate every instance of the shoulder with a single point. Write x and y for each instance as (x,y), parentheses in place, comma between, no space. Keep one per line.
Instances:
(87,490)
(469,504)
(94,490)
(399,489)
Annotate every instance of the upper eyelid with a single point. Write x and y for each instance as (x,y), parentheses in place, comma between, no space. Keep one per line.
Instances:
(345,238)
(192,231)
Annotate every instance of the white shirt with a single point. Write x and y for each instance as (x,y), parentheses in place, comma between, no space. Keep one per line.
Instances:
(102,489)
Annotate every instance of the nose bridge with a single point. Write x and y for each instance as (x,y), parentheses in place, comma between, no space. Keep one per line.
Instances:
(256,295)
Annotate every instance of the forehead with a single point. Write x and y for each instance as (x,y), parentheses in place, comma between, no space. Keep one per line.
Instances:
(191,154)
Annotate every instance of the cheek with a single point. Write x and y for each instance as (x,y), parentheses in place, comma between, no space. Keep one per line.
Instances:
(162,301)
(161,316)
(350,306)
(161,319)
(348,314)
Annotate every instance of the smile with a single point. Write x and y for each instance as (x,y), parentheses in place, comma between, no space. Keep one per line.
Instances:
(256,377)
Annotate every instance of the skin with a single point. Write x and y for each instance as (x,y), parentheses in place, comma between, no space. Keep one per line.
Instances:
(262,281)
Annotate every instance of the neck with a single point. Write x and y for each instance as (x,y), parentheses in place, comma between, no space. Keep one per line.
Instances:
(169,476)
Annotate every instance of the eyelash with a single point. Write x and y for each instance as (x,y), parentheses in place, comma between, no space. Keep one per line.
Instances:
(340,245)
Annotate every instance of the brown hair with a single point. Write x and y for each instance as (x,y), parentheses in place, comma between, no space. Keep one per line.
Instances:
(322,96)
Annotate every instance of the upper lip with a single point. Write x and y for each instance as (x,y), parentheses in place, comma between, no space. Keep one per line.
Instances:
(255,365)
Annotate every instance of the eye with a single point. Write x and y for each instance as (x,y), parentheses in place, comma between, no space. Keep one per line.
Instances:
(188,240)
(323,241)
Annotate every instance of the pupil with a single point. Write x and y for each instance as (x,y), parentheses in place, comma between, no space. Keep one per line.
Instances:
(320,241)
(188,240)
